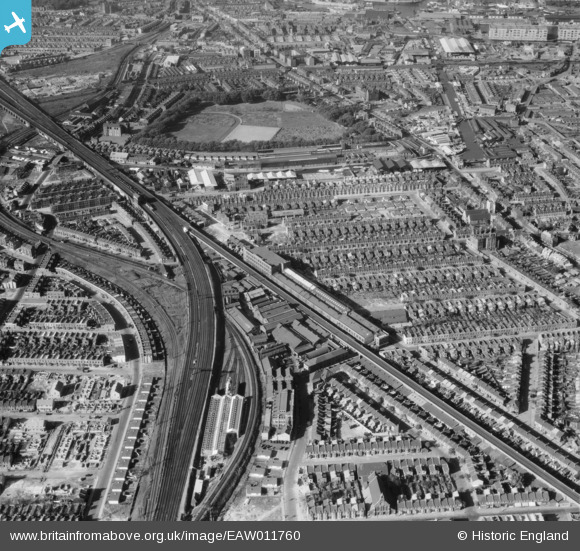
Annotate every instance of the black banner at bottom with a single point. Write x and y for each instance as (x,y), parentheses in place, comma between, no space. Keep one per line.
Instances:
(292,535)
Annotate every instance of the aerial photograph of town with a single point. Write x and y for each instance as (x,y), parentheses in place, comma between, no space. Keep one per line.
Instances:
(290,260)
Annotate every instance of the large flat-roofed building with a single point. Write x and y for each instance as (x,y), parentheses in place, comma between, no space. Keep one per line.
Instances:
(224,417)
(265,261)
(282,414)
(354,328)
(456,46)
(326,360)
(112,129)
(202,177)
(569,31)
(518,31)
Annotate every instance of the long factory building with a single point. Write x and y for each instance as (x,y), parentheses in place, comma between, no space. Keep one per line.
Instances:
(278,268)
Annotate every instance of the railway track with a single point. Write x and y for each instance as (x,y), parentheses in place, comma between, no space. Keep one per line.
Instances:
(219,494)
(185,408)
(182,412)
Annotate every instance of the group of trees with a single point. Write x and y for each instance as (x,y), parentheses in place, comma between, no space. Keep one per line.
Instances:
(355,129)
(249,95)
(171,142)
(187,106)
(338,113)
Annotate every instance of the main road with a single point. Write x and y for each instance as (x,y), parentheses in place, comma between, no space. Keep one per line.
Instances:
(188,383)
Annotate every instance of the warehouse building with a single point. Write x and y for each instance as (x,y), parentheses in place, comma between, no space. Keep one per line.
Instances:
(511,31)
(224,417)
(265,261)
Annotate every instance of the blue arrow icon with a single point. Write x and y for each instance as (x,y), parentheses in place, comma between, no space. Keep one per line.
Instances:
(16,18)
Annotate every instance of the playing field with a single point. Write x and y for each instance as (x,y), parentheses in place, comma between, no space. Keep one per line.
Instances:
(206,126)
(249,133)
(262,121)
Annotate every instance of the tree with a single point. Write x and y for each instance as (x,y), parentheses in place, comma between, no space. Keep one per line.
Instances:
(302,97)
(346,120)
(273,95)
(233,97)
(251,95)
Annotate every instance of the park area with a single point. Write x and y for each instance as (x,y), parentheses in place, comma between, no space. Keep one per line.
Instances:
(247,122)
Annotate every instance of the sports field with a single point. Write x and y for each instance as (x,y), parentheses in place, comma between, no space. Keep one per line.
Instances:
(249,133)
(255,121)
(206,126)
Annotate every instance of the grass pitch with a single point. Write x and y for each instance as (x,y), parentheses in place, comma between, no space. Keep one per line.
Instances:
(262,121)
